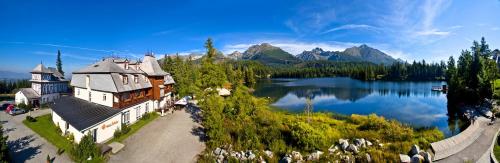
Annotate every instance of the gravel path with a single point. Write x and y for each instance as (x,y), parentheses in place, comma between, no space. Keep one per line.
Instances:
(173,138)
(24,144)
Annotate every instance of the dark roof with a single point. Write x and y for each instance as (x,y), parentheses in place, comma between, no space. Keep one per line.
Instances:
(81,114)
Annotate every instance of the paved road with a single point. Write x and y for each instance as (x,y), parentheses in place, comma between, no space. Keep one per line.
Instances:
(173,138)
(478,148)
(24,144)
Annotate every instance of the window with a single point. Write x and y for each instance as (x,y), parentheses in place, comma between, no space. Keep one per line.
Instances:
(90,95)
(147,107)
(126,117)
(104,97)
(126,65)
(78,91)
(145,78)
(125,79)
(138,112)
(136,79)
(137,93)
(125,96)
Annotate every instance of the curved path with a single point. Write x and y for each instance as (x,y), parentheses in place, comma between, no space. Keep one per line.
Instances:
(476,143)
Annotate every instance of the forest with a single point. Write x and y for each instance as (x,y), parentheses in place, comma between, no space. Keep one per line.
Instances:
(9,86)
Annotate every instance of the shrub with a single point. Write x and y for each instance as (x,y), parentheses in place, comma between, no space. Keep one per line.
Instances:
(30,119)
(70,137)
(117,133)
(87,148)
(125,129)
(146,116)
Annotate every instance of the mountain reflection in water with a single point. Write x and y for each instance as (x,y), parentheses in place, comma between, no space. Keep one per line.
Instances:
(413,103)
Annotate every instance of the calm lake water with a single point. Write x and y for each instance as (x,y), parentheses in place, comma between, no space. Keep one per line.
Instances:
(413,103)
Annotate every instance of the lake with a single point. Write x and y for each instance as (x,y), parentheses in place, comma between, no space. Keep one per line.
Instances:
(413,103)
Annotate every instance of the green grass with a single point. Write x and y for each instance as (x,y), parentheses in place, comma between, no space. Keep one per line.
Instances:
(46,129)
(496,89)
(134,128)
(496,150)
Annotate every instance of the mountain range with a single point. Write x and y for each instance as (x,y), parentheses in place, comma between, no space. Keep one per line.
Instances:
(271,55)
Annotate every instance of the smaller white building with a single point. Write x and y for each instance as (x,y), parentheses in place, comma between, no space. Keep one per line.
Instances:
(47,84)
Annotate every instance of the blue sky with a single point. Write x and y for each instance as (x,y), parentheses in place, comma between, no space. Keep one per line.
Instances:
(86,31)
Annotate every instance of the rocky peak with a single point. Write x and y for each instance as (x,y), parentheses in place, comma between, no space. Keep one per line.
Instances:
(235,55)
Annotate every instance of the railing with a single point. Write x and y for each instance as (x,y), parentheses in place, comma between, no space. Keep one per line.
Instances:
(131,102)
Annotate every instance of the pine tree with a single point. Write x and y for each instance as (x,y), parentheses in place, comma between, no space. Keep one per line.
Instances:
(59,63)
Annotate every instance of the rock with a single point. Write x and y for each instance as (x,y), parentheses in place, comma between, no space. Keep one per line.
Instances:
(333,148)
(268,153)
(360,142)
(417,159)
(251,156)
(344,143)
(404,158)
(223,152)
(287,159)
(220,158)
(352,148)
(315,155)
(427,156)
(243,156)
(414,150)
(217,151)
(368,143)
(368,158)
(382,145)
(296,155)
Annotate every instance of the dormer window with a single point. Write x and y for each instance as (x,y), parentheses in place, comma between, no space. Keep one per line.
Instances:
(126,65)
(145,78)
(125,79)
(136,78)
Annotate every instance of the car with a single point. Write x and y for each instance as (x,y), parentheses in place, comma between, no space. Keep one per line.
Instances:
(4,106)
(15,111)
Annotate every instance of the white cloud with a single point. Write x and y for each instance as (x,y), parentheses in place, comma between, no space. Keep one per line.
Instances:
(432,32)
(495,28)
(351,26)
(69,55)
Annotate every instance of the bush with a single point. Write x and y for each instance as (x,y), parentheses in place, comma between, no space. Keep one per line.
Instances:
(146,116)
(87,148)
(117,133)
(125,129)
(60,151)
(70,137)
(30,119)
(24,106)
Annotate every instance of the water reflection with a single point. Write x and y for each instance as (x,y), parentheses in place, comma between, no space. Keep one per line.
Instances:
(409,102)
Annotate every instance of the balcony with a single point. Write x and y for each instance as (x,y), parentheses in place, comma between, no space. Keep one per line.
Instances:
(131,101)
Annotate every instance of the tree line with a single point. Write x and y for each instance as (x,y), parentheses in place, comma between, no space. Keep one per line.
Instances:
(9,86)
(470,79)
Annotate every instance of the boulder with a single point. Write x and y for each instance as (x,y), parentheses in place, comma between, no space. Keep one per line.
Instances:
(287,159)
(220,158)
(427,156)
(360,142)
(250,155)
(296,155)
(268,153)
(315,155)
(417,159)
(217,151)
(368,158)
(381,145)
(333,148)
(368,143)
(414,150)
(352,148)
(404,158)
(344,143)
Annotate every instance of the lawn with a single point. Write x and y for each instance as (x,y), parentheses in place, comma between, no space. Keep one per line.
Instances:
(496,150)
(46,129)
(134,128)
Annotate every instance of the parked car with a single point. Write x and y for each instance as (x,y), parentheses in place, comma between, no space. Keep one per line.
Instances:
(4,106)
(14,111)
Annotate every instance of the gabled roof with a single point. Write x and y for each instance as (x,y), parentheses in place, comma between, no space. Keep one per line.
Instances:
(41,69)
(151,67)
(104,66)
(30,93)
(81,114)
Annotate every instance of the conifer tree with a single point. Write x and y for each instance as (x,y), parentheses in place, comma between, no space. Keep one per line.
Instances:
(59,62)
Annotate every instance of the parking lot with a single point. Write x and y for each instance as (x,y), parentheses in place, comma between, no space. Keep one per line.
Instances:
(24,144)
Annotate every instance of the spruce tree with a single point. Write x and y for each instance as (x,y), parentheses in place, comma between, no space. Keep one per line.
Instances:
(59,62)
